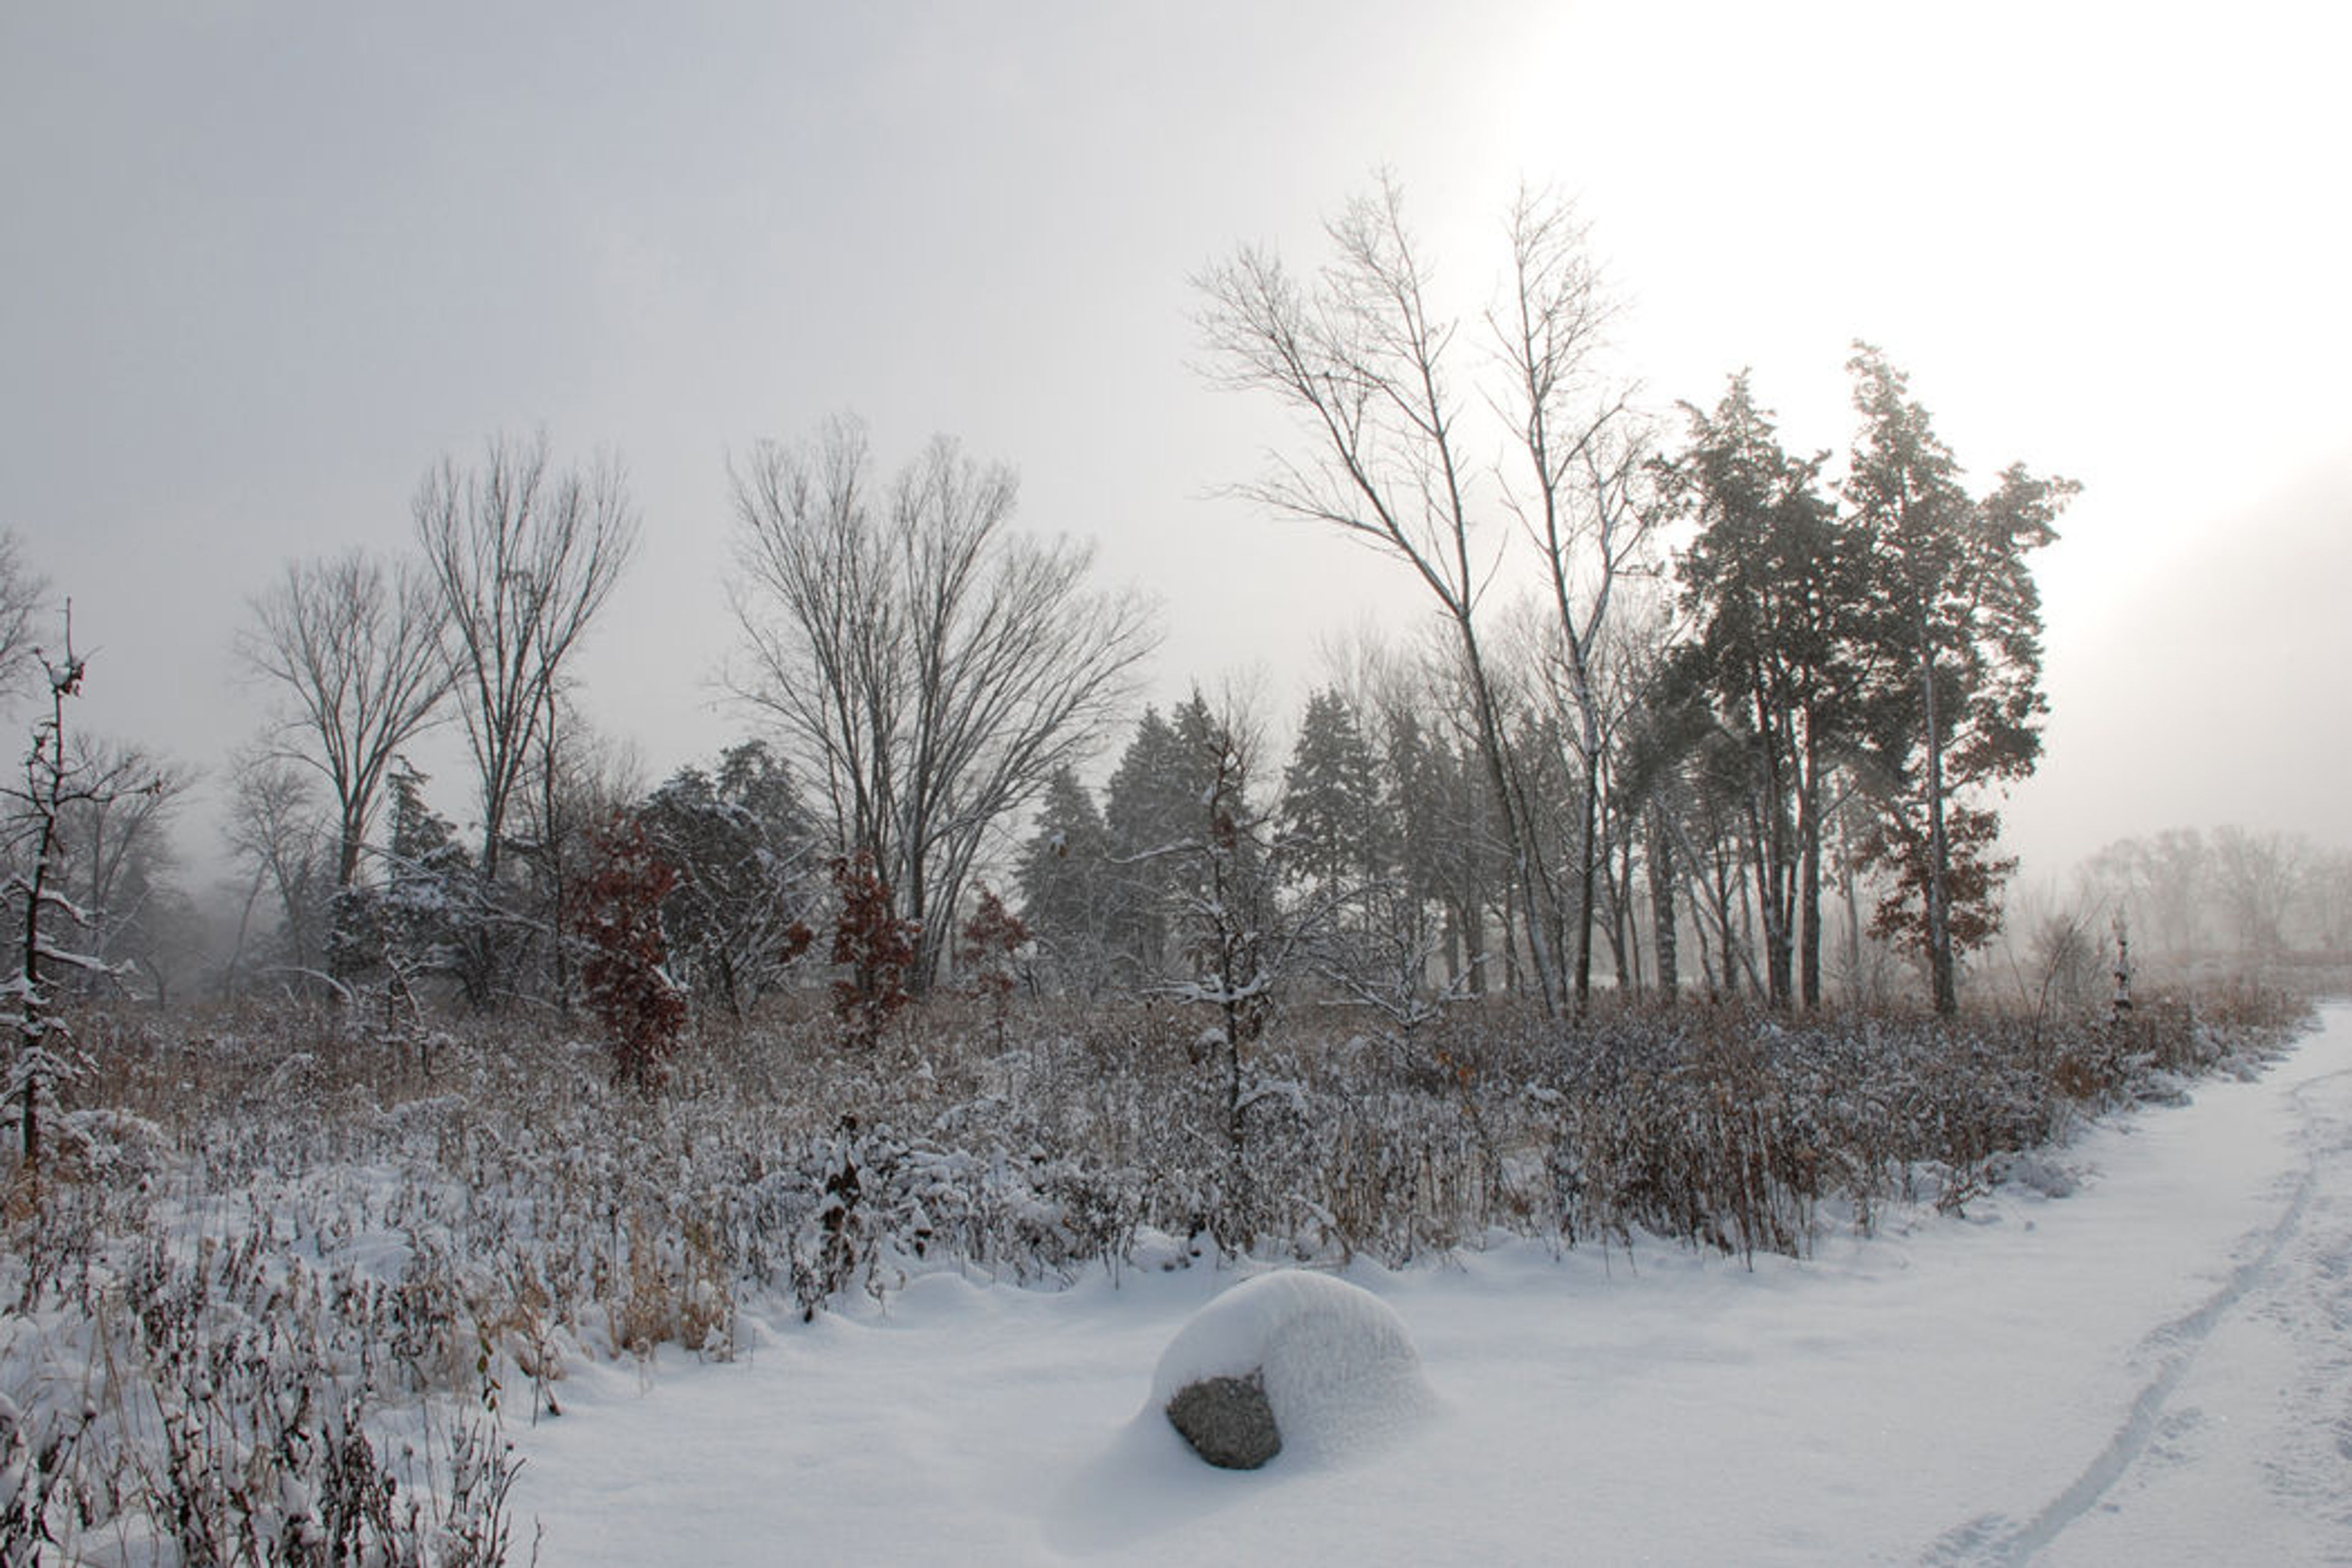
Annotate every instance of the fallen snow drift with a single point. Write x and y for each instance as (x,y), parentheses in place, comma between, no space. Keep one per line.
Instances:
(1340,1370)
(2153,1371)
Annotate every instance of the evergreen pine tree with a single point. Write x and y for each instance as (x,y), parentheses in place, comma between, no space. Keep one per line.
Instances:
(1070,894)
(1333,822)
(1958,638)
(1773,584)
(749,885)
(1149,812)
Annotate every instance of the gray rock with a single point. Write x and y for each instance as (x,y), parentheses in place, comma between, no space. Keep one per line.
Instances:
(1227,1420)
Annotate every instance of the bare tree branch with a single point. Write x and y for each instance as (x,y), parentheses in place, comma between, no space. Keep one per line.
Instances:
(523,560)
(1361,359)
(930,668)
(360,657)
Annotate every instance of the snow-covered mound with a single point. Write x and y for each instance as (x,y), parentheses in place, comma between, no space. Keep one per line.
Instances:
(1337,1368)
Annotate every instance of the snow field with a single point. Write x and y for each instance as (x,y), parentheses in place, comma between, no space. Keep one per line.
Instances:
(2153,1370)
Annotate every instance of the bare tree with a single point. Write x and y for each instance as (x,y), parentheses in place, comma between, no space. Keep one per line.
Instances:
(1365,360)
(2259,877)
(2327,897)
(1578,485)
(580,779)
(358,651)
(2167,883)
(113,849)
(929,668)
(1611,715)
(21,593)
(273,828)
(523,558)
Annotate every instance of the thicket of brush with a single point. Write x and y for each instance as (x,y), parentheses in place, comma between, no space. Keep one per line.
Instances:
(284,1277)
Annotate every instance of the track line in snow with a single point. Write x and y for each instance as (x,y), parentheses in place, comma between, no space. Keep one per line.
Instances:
(1992,1537)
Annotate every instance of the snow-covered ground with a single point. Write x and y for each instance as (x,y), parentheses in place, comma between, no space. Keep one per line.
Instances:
(2156,1369)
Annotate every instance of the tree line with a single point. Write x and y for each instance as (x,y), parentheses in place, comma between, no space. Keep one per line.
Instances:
(1863,657)
(1695,709)
(2197,896)
(919,670)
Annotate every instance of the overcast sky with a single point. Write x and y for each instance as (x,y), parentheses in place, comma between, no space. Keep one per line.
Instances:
(260,265)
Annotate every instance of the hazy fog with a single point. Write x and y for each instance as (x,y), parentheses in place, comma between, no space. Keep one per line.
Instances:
(265,263)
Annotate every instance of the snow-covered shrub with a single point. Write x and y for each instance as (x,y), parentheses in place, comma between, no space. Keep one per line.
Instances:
(673,1289)
(37,1474)
(273,1238)
(219,1404)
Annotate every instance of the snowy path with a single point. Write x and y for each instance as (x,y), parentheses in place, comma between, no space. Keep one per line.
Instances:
(2242,1440)
(2156,1370)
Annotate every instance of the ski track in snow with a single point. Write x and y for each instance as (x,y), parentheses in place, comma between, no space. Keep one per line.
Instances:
(2261,1387)
(2157,1431)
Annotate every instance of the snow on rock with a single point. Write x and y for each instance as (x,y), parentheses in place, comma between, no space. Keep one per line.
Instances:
(1334,1364)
